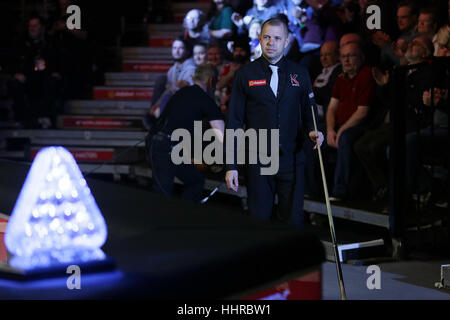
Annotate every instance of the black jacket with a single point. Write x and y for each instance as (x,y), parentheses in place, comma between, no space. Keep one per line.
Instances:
(254,105)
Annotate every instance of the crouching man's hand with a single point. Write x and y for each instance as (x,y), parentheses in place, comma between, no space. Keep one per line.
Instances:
(231,178)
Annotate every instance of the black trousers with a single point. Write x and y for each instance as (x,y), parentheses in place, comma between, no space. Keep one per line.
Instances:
(164,171)
(371,150)
(287,185)
(38,97)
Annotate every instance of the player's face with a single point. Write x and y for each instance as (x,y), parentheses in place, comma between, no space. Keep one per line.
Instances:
(273,40)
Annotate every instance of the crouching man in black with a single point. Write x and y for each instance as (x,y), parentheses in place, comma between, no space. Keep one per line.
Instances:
(189,104)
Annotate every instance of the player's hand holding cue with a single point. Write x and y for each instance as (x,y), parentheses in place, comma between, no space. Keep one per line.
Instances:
(316,137)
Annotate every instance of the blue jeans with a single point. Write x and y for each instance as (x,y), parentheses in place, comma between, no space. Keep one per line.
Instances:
(345,158)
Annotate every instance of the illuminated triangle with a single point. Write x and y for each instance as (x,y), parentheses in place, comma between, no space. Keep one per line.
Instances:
(55,212)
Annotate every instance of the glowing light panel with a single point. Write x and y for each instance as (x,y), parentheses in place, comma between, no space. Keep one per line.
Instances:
(55,215)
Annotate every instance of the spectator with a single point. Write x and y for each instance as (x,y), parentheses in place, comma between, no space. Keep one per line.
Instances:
(199,53)
(316,29)
(74,48)
(178,76)
(323,84)
(350,38)
(350,17)
(214,56)
(241,56)
(421,136)
(372,147)
(406,20)
(261,10)
(443,42)
(35,87)
(195,27)
(371,52)
(189,104)
(220,25)
(349,105)
(427,23)
(254,31)
(322,87)
(392,52)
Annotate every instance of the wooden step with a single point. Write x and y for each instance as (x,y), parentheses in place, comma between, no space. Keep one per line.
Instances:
(130,83)
(146,66)
(99,122)
(123,93)
(107,104)
(165,27)
(133,76)
(107,107)
(145,50)
(97,138)
(186,6)
(161,41)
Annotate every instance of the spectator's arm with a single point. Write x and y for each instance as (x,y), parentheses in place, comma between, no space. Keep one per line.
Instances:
(331,114)
(219,129)
(221,33)
(356,118)
(331,122)
(224,80)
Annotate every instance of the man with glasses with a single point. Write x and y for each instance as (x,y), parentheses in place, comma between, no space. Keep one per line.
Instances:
(349,105)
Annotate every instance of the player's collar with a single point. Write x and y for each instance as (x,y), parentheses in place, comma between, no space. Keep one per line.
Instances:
(280,64)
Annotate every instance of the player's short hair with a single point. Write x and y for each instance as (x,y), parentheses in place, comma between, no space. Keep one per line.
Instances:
(277,21)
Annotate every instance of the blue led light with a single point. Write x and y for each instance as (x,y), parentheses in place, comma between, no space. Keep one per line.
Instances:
(55,216)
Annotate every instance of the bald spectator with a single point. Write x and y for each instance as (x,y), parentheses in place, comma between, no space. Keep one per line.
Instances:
(195,27)
(350,101)
(350,38)
(331,68)
(371,52)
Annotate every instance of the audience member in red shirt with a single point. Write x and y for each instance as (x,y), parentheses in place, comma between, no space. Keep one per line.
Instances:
(349,105)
